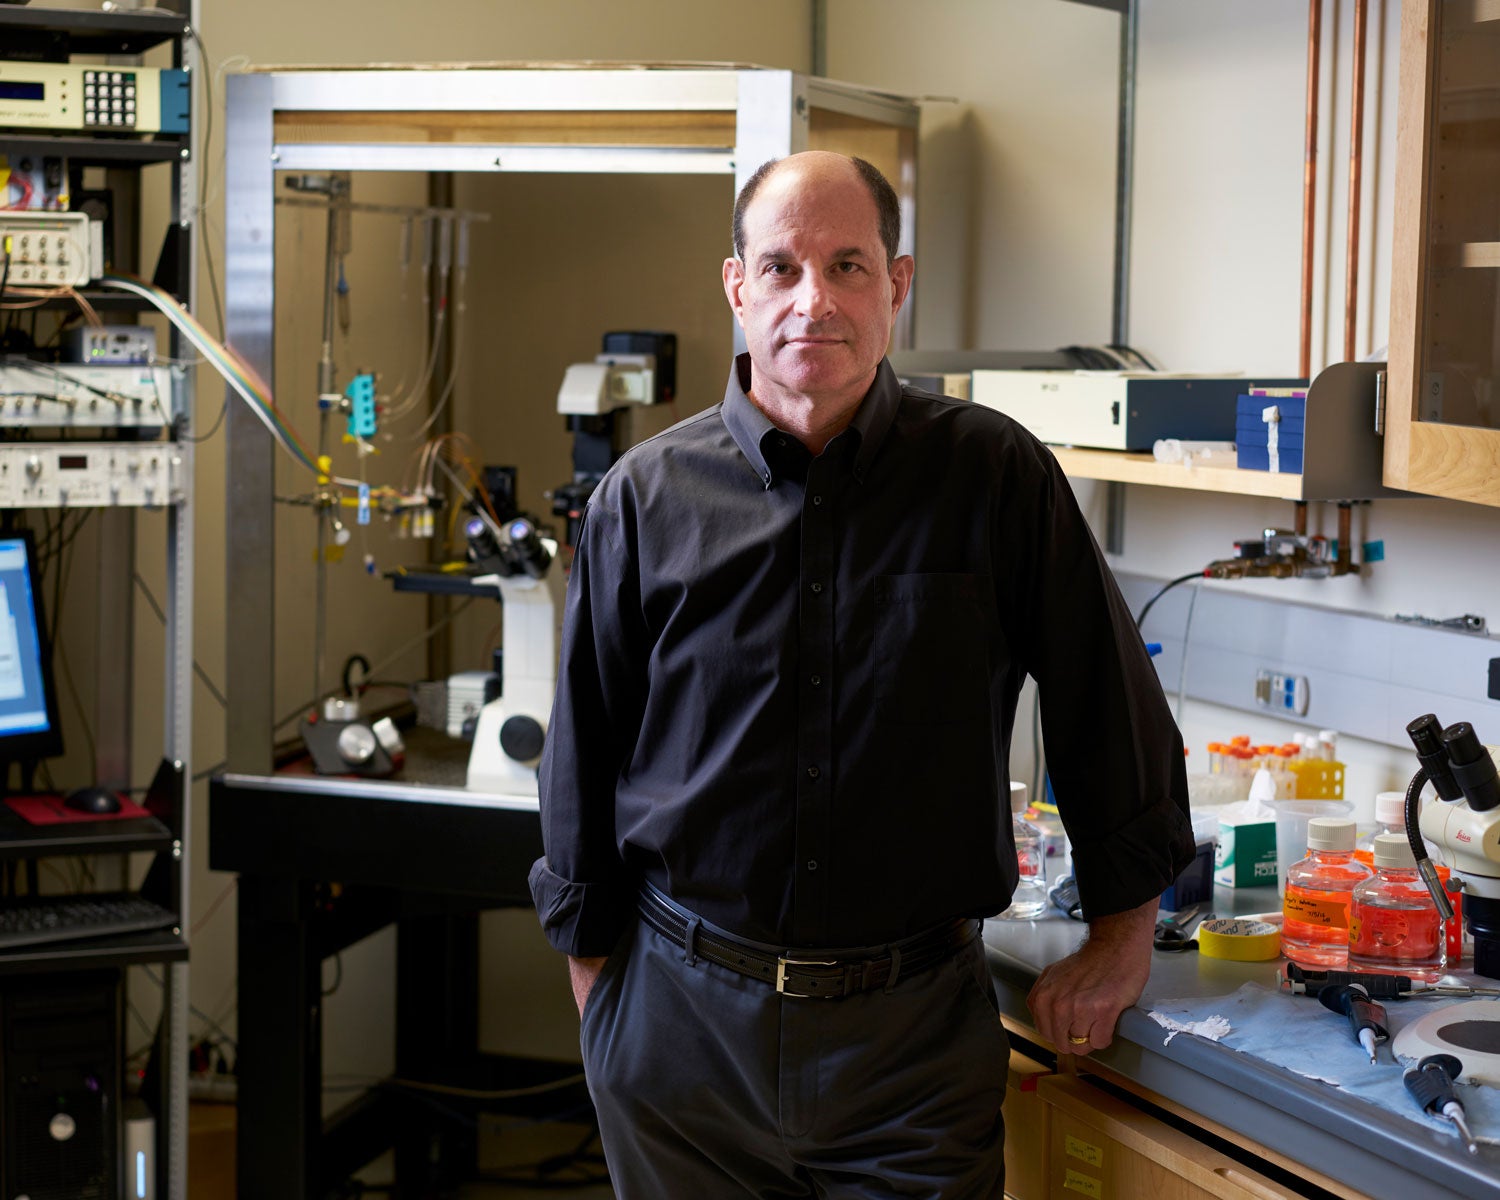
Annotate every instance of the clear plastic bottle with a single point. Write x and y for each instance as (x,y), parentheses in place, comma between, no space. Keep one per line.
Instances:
(1390,817)
(1319,888)
(1393,924)
(1029,900)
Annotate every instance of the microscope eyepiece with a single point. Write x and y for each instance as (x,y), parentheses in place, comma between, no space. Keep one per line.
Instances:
(1473,767)
(1426,734)
(1462,743)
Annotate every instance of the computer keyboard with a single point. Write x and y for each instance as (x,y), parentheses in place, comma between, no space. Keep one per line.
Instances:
(37,920)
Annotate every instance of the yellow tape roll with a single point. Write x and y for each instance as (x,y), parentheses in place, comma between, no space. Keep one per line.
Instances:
(1239,940)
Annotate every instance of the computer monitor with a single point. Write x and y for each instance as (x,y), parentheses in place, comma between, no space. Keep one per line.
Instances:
(29,728)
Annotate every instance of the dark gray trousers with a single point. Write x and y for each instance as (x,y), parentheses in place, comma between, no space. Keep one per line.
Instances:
(708,1084)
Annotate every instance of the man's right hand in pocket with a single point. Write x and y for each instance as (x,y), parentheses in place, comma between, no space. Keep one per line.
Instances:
(583,973)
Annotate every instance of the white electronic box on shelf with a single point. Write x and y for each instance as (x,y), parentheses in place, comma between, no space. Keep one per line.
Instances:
(51,249)
(1118,410)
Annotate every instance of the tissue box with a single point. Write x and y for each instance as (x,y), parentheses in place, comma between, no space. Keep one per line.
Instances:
(1247,854)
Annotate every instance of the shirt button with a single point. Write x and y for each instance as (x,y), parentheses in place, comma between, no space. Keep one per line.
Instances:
(816,680)
(817,500)
(817,589)
(812,864)
(813,772)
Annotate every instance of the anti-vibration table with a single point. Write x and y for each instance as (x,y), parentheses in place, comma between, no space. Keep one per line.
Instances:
(324,862)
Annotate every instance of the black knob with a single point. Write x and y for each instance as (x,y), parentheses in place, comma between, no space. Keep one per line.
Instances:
(521,738)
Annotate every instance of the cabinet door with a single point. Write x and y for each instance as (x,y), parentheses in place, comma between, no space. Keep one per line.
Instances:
(1443,413)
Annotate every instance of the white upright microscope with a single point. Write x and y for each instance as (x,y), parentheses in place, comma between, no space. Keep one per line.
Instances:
(511,729)
(634,368)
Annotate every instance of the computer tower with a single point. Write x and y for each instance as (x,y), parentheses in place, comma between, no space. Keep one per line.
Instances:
(60,1086)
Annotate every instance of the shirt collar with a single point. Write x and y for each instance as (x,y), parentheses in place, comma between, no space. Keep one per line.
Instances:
(749,426)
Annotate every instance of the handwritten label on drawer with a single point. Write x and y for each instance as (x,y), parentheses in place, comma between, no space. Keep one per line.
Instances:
(1077,1181)
(1076,1147)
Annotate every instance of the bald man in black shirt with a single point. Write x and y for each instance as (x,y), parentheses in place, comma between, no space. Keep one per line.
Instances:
(774,786)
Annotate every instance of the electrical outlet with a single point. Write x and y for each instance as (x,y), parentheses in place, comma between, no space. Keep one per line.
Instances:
(1280,692)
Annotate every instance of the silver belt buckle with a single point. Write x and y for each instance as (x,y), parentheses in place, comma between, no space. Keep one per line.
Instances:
(782,963)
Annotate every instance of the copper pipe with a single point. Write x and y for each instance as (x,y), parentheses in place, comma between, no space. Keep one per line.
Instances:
(1299,523)
(1356,148)
(1310,182)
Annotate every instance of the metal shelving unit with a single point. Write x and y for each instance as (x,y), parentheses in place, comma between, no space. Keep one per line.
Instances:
(59,34)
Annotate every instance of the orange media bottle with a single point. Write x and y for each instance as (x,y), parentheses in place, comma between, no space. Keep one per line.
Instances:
(1315,912)
(1393,924)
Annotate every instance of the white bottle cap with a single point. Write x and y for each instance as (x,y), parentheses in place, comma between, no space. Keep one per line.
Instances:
(1390,808)
(1330,833)
(1017,796)
(1393,850)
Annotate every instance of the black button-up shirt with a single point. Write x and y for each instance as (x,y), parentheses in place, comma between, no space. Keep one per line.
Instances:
(788,682)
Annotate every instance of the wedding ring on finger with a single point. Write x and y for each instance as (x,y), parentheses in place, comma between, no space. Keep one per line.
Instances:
(1078,1041)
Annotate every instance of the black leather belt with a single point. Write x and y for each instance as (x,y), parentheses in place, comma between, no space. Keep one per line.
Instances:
(831,974)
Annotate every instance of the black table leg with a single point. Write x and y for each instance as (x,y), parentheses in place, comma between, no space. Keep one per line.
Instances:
(437,1040)
(280,1041)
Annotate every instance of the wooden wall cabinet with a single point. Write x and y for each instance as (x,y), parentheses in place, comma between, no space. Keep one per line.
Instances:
(1443,410)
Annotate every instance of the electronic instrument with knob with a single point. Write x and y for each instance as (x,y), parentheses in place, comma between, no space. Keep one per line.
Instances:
(89,474)
(79,396)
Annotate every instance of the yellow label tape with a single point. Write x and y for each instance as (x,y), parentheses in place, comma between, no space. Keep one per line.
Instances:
(1077,1181)
(1325,914)
(1076,1147)
(1239,940)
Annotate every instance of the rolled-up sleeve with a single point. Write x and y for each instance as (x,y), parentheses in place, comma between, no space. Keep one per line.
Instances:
(1114,753)
(581,889)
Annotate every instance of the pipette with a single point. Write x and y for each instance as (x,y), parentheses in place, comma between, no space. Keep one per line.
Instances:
(1366,1018)
(1430,1083)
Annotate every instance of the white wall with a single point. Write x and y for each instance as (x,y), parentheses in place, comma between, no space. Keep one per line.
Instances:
(1016,173)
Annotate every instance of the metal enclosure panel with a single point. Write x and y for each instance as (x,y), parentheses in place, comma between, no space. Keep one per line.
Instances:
(771,110)
(480,90)
(1349,462)
(178,722)
(446,156)
(852,101)
(771,122)
(250,297)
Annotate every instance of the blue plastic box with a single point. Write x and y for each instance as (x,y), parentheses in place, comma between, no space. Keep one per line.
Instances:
(1196,883)
(1252,434)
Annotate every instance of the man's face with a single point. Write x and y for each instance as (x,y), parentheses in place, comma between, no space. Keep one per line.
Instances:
(814,293)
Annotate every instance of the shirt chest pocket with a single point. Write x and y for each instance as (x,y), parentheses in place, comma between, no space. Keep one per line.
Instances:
(932,648)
